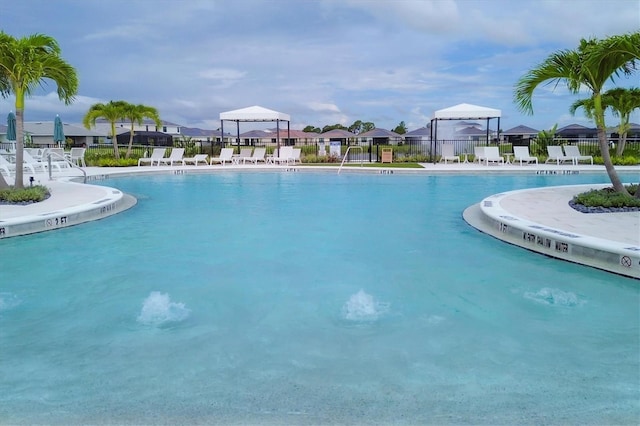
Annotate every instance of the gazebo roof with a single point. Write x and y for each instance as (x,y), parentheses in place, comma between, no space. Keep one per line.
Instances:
(254,113)
(466,112)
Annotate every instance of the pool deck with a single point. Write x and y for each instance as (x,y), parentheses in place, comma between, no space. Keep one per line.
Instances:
(539,219)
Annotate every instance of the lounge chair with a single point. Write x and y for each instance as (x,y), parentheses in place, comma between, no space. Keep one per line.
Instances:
(58,159)
(492,155)
(198,158)
(478,154)
(156,155)
(521,153)
(258,155)
(175,157)
(283,155)
(7,166)
(448,154)
(295,155)
(556,154)
(573,152)
(226,154)
(35,165)
(245,153)
(77,156)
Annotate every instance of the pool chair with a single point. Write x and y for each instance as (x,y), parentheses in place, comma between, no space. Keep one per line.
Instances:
(556,154)
(156,155)
(226,154)
(492,155)
(478,154)
(573,152)
(295,155)
(258,155)
(285,154)
(448,154)
(37,166)
(175,157)
(198,158)
(521,154)
(77,156)
(6,166)
(245,153)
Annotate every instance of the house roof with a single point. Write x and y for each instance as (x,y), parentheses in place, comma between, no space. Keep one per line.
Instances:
(422,131)
(466,112)
(45,128)
(338,134)
(379,133)
(254,113)
(521,130)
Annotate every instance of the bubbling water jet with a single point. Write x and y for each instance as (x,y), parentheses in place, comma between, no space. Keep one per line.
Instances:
(363,307)
(158,309)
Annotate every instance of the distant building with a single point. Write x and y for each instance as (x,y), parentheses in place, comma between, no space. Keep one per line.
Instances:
(146,138)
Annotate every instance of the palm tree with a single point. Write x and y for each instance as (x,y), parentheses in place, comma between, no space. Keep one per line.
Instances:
(622,103)
(112,112)
(591,65)
(136,114)
(24,63)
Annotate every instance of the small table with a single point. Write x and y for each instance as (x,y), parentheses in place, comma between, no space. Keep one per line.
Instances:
(508,155)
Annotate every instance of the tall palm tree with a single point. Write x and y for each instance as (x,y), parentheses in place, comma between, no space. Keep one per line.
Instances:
(136,114)
(25,64)
(591,65)
(112,112)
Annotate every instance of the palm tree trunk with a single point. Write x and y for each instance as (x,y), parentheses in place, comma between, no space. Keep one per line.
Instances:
(114,141)
(129,148)
(611,171)
(19,147)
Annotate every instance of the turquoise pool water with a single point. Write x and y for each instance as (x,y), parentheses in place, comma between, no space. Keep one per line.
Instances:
(298,298)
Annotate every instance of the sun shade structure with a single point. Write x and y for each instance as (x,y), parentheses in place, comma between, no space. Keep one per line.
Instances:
(255,114)
(463,112)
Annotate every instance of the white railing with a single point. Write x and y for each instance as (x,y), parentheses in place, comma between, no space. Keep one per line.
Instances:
(346,153)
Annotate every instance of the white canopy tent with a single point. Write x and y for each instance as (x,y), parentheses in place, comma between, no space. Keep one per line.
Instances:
(463,112)
(255,114)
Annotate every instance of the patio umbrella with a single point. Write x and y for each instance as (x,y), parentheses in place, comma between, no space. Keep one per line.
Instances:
(11,130)
(11,126)
(58,131)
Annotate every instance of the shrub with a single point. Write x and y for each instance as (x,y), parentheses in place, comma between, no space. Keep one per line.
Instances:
(607,197)
(32,194)
(112,162)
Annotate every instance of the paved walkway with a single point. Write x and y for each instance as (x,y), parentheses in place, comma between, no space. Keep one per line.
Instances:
(547,207)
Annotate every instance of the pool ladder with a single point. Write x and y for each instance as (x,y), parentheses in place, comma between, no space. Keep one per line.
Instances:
(346,153)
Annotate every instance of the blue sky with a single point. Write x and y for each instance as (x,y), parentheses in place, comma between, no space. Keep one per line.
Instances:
(323,62)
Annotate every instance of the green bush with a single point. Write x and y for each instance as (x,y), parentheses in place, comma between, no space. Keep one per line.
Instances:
(112,162)
(32,194)
(607,197)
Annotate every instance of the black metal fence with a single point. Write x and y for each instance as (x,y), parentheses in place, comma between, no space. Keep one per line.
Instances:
(412,151)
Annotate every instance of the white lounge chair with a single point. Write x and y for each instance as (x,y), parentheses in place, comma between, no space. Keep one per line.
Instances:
(295,155)
(492,155)
(226,154)
(284,155)
(35,165)
(198,158)
(7,166)
(245,153)
(573,152)
(175,157)
(58,159)
(156,155)
(521,153)
(448,154)
(556,154)
(258,155)
(77,156)
(478,154)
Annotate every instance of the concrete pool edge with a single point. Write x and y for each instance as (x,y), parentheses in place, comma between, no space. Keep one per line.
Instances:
(490,217)
(95,203)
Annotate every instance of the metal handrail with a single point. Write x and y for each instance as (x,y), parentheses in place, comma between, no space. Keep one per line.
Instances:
(346,153)
(65,159)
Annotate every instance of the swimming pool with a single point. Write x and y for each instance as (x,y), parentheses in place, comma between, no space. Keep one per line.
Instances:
(310,299)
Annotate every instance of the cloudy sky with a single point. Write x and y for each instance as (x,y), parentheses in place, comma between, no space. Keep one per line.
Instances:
(321,61)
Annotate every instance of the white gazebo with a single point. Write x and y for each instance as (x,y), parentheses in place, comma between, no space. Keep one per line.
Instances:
(464,112)
(255,114)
